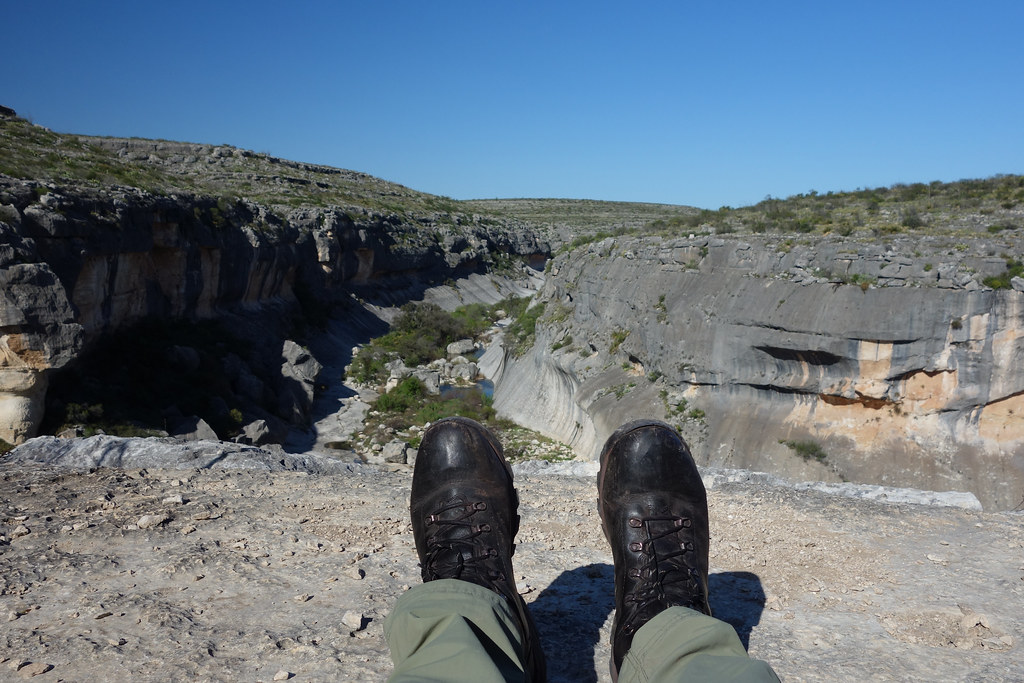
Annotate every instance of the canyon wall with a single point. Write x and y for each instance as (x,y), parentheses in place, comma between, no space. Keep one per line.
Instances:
(78,263)
(879,362)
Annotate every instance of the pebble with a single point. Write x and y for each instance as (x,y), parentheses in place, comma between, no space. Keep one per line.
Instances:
(969,621)
(149,521)
(20,530)
(353,619)
(282,675)
(34,669)
(356,573)
(176,499)
(305,597)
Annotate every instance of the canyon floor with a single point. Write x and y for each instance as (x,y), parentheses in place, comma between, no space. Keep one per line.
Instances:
(225,575)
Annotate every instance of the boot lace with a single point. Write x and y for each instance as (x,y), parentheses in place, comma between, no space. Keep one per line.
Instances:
(665,578)
(456,550)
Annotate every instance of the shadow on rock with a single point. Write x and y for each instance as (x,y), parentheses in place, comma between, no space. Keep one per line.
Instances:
(737,598)
(569,614)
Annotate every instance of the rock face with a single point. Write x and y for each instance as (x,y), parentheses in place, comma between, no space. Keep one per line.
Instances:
(77,263)
(37,333)
(756,352)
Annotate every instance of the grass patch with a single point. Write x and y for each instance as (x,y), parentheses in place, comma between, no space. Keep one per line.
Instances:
(618,336)
(808,450)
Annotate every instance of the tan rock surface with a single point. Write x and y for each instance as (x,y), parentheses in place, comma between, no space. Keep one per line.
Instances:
(824,587)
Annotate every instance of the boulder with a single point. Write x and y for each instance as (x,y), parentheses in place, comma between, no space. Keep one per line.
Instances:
(431,380)
(38,334)
(394,451)
(461,347)
(255,433)
(194,428)
(465,371)
(299,374)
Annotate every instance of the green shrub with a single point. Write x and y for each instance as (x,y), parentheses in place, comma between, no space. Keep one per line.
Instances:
(408,393)
(808,450)
(1014,269)
(522,332)
(5,447)
(368,365)
(565,341)
(618,336)
(911,219)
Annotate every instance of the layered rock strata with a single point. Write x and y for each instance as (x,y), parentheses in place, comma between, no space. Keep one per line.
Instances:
(77,263)
(839,362)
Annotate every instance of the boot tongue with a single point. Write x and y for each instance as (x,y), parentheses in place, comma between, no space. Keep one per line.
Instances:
(454,546)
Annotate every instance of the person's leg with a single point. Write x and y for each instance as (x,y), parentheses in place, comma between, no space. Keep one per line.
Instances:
(464,520)
(654,513)
(450,630)
(681,644)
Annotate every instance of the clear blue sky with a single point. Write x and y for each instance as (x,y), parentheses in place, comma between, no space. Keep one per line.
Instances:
(682,102)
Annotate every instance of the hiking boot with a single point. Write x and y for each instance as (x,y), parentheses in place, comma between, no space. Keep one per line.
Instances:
(464,518)
(654,512)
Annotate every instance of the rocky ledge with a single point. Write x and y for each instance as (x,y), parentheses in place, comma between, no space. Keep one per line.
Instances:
(220,574)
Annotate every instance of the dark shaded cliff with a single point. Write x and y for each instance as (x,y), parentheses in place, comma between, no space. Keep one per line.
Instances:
(80,262)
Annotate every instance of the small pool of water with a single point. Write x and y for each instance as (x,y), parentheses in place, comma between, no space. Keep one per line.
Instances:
(483,386)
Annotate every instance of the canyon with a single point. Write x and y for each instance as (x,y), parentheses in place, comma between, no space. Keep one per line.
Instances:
(866,357)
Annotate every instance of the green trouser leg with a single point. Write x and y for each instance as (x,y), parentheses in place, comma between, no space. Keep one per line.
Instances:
(451,630)
(681,644)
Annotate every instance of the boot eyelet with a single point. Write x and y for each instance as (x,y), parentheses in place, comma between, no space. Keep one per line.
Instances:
(480,506)
(636,546)
(635,522)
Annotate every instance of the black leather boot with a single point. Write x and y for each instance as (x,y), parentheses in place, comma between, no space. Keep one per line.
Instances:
(464,518)
(654,512)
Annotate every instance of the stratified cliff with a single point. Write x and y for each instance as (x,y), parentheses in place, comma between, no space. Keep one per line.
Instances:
(872,362)
(79,262)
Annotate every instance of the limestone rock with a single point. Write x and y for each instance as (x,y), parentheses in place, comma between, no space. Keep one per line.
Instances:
(466,372)
(150,521)
(255,433)
(194,428)
(394,451)
(39,334)
(882,378)
(353,619)
(137,453)
(461,347)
